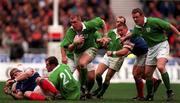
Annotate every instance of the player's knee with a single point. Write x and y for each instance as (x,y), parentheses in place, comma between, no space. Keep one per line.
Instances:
(82,64)
(27,93)
(161,68)
(38,80)
(98,75)
(136,76)
(91,76)
(148,75)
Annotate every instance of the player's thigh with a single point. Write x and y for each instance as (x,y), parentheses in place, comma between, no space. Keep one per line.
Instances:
(140,60)
(87,56)
(101,68)
(163,50)
(28,93)
(139,65)
(115,63)
(71,64)
(161,63)
(40,91)
(91,75)
(138,71)
(160,50)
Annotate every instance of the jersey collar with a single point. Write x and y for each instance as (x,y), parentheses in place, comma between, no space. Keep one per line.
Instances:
(145,21)
(54,69)
(115,31)
(84,27)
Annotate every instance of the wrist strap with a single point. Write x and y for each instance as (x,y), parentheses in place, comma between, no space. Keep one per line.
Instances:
(114,53)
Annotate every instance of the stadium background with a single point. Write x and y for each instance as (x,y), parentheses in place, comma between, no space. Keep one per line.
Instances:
(31,30)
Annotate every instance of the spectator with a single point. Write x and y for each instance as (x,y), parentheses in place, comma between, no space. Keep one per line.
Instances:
(28,15)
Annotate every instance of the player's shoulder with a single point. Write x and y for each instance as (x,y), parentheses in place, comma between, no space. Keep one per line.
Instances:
(97,18)
(30,71)
(63,66)
(153,19)
(137,39)
(70,30)
(112,31)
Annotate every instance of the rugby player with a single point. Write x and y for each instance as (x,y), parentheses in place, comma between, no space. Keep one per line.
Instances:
(29,84)
(81,39)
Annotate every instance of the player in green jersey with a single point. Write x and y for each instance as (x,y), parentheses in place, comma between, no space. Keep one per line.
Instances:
(153,32)
(68,58)
(139,48)
(81,39)
(60,75)
(112,64)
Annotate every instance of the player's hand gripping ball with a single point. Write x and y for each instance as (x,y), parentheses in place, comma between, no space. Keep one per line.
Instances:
(79,41)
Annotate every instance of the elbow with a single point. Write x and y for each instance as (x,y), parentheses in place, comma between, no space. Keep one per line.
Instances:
(70,49)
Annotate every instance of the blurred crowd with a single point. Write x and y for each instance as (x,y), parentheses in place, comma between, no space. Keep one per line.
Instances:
(168,10)
(24,23)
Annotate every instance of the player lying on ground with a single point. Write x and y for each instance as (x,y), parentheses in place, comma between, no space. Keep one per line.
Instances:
(29,84)
(61,77)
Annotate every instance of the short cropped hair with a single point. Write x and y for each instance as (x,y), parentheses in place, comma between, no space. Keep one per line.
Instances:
(137,10)
(52,60)
(122,18)
(12,71)
(122,24)
(75,15)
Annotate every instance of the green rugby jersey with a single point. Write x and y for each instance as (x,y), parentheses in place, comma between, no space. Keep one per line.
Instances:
(69,54)
(89,29)
(115,43)
(64,81)
(152,31)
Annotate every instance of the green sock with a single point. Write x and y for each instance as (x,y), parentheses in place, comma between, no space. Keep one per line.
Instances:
(104,88)
(83,76)
(165,78)
(99,80)
(149,86)
(90,84)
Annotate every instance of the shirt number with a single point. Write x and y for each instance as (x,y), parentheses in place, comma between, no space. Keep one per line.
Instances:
(64,75)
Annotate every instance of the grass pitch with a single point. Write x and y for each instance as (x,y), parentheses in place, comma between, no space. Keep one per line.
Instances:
(116,93)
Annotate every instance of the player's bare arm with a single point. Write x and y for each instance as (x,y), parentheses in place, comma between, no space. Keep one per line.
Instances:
(22,75)
(63,56)
(26,74)
(104,29)
(127,36)
(119,53)
(174,30)
(103,41)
